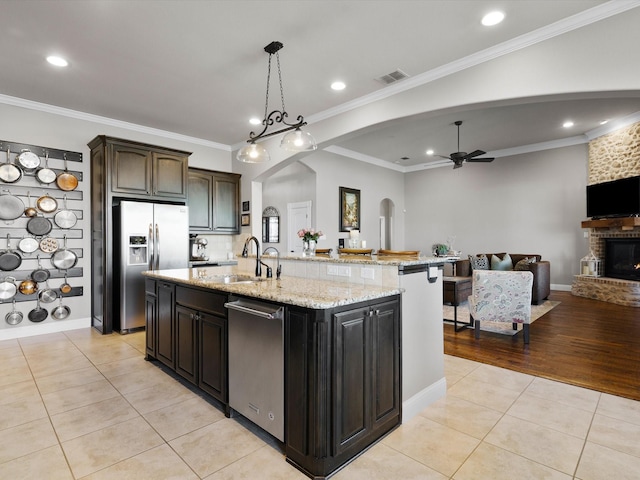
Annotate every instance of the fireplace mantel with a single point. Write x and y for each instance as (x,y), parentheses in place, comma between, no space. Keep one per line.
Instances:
(626,223)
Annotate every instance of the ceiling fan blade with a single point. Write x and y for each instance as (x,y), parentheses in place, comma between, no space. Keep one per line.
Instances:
(442,156)
(475,153)
(483,159)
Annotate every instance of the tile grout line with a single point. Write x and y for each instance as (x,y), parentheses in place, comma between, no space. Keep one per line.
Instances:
(165,441)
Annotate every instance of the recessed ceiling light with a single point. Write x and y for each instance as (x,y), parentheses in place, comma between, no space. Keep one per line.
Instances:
(492,18)
(429,152)
(255,121)
(57,61)
(338,86)
(604,122)
(567,124)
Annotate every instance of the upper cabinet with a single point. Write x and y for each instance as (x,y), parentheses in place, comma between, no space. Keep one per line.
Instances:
(214,202)
(124,169)
(142,170)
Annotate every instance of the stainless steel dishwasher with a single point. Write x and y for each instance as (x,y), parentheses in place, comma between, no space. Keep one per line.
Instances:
(256,363)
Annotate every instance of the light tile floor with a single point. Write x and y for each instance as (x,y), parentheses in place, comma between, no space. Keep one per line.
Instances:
(81,405)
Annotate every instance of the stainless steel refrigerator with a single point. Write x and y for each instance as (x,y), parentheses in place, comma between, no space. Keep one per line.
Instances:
(147,236)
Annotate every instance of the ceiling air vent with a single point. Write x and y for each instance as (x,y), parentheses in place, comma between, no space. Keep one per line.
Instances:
(392,77)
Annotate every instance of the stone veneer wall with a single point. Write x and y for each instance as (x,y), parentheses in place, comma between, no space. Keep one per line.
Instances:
(615,155)
(611,157)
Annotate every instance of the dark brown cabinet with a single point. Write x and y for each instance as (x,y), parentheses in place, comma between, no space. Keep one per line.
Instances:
(151,307)
(123,169)
(142,171)
(186,343)
(160,321)
(366,374)
(214,202)
(343,365)
(165,322)
(212,349)
(196,341)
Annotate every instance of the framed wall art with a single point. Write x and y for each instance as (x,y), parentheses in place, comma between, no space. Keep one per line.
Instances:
(349,209)
(245,206)
(245,219)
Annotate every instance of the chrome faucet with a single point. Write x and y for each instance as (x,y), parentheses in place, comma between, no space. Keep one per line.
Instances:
(278,267)
(245,254)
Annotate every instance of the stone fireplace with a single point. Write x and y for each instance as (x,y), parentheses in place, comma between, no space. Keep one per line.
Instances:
(612,156)
(615,290)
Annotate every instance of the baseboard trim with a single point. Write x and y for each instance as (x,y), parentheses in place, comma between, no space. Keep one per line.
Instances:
(421,400)
(560,287)
(29,329)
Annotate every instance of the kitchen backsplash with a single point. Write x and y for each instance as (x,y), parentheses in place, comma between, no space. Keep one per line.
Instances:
(218,246)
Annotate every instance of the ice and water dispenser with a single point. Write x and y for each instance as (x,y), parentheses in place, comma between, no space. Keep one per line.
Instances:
(137,250)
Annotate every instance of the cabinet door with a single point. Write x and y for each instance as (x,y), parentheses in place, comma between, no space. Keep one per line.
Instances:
(352,377)
(186,343)
(385,331)
(213,356)
(226,203)
(131,170)
(150,324)
(200,195)
(165,323)
(170,175)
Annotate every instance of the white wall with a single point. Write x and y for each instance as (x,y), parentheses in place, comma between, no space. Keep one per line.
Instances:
(318,178)
(24,125)
(531,203)
(375,184)
(295,183)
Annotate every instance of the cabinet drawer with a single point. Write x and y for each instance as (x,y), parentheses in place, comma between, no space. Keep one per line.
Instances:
(202,300)
(150,286)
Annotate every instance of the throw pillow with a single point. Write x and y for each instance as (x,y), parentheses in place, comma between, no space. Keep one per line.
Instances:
(479,262)
(524,263)
(505,264)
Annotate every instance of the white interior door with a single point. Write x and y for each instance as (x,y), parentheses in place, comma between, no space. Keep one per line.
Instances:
(299,216)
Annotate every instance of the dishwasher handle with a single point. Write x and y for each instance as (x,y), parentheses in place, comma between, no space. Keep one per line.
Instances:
(268,313)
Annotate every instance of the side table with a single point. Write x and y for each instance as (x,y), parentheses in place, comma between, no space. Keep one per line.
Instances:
(454,292)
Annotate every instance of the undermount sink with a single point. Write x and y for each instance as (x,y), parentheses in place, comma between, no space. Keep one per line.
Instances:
(231,279)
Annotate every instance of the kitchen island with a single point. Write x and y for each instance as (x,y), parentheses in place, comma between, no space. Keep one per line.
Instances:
(350,375)
(342,365)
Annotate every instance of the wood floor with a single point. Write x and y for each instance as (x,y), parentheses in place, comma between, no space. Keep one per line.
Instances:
(582,342)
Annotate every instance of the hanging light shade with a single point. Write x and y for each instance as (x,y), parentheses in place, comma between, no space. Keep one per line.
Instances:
(298,141)
(295,140)
(253,153)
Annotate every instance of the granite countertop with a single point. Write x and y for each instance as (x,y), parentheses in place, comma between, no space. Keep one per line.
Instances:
(316,294)
(212,262)
(366,259)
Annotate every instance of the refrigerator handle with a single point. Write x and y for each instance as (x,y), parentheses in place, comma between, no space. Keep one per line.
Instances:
(157,255)
(150,245)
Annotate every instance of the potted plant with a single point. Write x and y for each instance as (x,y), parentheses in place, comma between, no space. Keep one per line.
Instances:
(440,249)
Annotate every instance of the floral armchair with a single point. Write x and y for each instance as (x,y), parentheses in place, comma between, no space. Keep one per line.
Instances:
(499,296)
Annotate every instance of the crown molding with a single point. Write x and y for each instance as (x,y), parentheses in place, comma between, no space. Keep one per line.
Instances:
(345,152)
(613,126)
(538,147)
(88,117)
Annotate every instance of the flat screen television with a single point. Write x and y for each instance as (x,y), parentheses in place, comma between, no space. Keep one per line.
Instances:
(618,198)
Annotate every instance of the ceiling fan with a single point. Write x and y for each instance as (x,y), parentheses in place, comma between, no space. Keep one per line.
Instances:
(459,157)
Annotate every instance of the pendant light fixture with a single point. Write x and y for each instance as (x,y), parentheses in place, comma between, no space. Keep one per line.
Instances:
(295,140)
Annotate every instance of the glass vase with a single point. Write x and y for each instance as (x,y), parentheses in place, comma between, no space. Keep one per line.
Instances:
(309,248)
